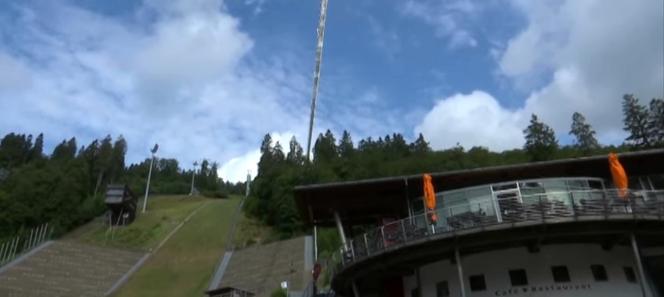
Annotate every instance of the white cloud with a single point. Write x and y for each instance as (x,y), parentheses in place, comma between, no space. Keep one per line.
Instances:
(446,17)
(13,74)
(572,56)
(474,119)
(179,74)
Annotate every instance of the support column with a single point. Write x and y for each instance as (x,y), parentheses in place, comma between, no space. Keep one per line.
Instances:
(356,292)
(419,281)
(315,244)
(639,265)
(342,234)
(460,271)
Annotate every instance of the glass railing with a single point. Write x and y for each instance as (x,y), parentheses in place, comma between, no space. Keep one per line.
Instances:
(544,207)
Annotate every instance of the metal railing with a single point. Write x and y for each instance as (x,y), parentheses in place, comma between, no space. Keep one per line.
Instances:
(23,243)
(541,207)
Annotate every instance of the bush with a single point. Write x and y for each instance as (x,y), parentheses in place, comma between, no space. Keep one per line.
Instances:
(279,293)
(215,194)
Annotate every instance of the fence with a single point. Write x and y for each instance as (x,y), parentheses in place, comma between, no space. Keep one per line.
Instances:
(23,243)
(541,207)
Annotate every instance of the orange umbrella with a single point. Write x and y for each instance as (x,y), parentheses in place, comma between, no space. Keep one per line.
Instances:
(429,197)
(619,175)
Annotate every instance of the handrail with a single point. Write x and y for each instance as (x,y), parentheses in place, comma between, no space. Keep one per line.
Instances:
(540,207)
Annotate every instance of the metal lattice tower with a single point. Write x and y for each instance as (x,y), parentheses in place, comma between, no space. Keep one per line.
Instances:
(319,58)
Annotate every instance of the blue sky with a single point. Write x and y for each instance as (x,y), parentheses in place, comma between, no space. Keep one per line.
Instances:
(208,78)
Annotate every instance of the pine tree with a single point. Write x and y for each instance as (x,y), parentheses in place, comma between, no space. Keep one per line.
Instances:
(346,148)
(420,146)
(295,153)
(37,151)
(541,143)
(584,133)
(66,150)
(656,122)
(278,152)
(117,159)
(325,149)
(635,121)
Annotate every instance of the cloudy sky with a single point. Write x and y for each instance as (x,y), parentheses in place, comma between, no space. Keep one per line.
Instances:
(208,78)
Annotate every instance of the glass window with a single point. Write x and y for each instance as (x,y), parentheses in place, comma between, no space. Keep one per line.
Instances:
(556,189)
(442,289)
(560,274)
(599,273)
(629,274)
(595,184)
(518,277)
(657,181)
(503,187)
(577,184)
(477,283)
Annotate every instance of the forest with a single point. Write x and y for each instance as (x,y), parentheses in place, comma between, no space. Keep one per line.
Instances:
(66,187)
(280,169)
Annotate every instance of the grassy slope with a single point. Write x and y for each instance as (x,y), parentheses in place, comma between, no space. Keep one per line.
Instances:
(164,213)
(184,265)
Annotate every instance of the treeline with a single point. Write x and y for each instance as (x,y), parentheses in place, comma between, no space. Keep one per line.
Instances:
(66,188)
(279,170)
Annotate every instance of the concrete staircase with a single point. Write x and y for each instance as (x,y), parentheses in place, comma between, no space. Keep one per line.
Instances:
(261,269)
(66,268)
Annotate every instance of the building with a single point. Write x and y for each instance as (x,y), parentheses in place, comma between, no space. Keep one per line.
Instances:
(555,228)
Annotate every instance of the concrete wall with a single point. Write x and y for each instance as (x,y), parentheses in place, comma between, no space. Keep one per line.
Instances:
(496,264)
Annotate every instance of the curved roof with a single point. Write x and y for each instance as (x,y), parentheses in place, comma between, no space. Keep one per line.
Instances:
(366,201)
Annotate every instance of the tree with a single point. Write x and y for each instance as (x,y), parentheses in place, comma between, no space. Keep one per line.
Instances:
(656,121)
(37,151)
(346,148)
(325,149)
(584,133)
(15,149)
(541,142)
(64,151)
(420,146)
(635,122)
(295,154)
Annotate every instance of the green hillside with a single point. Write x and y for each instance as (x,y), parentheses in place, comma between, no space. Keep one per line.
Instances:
(184,264)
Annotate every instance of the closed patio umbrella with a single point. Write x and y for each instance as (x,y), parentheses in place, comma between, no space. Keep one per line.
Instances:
(430,198)
(619,175)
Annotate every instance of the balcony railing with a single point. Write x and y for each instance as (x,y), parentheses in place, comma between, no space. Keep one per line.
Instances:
(544,207)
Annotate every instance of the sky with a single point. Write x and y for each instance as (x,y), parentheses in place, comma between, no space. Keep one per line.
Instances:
(209,78)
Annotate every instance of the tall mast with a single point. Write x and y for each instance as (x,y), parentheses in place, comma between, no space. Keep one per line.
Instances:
(319,59)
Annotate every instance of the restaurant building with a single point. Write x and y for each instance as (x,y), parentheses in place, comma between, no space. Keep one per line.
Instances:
(555,228)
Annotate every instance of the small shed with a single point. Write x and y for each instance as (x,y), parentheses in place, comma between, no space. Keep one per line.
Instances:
(121,203)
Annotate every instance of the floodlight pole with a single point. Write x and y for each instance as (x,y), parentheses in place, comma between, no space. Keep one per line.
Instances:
(147,187)
(193,174)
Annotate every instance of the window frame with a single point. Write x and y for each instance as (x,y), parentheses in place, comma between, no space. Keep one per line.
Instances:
(515,274)
(555,273)
(599,271)
(477,279)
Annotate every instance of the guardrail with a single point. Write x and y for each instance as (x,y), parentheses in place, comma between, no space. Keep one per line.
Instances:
(22,243)
(511,208)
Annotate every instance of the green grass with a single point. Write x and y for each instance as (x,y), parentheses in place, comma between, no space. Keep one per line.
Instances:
(250,232)
(184,265)
(163,214)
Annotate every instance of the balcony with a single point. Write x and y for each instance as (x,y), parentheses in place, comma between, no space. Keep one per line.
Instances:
(502,212)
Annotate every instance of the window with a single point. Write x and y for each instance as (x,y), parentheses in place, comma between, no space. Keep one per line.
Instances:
(599,273)
(518,277)
(560,274)
(415,292)
(629,274)
(477,283)
(442,289)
